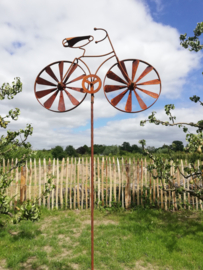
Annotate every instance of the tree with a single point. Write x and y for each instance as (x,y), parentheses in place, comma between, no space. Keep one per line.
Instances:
(113,150)
(87,149)
(151,149)
(57,152)
(70,151)
(81,150)
(161,168)
(8,143)
(126,146)
(143,143)
(135,148)
(177,146)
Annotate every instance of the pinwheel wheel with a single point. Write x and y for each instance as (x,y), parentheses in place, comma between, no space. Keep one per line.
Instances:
(132,85)
(58,87)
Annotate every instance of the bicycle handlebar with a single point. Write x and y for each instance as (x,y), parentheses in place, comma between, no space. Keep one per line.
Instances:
(95,29)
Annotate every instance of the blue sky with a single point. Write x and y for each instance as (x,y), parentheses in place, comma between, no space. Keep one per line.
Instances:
(148,30)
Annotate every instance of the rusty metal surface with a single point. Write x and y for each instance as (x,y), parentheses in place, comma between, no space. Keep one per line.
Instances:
(92,181)
(135,102)
(123,88)
(61,86)
(91,80)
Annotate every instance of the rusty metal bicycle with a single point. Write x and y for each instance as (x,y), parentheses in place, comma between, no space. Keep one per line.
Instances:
(130,85)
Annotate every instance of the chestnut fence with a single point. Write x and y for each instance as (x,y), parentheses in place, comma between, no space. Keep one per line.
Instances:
(124,182)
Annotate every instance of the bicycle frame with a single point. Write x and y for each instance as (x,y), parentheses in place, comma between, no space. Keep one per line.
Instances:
(102,55)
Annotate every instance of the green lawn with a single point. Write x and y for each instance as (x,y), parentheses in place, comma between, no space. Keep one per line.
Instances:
(139,239)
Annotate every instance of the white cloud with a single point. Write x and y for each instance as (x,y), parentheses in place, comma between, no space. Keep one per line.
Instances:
(40,27)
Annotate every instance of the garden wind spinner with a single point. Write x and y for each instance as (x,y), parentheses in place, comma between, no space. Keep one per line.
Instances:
(130,85)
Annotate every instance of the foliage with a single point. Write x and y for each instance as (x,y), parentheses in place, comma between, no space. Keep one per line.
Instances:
(177,146)
(143,143)
(160,168)
(126,146)
(10,143)
(193,43)
(47,154)
(57,152)
(113,150)
(70,151)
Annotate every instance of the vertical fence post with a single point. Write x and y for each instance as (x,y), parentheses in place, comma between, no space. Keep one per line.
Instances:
(30,181)
(106,182)
(142,182)
(145,175)
(40,187)
(102,179)
(98,175)
(66,192)
(110,200)
(82,189)
(86,178)
(95,178)
(12,183)
(52,193)
(78,183)
(61,184)
(71,171)
(114,180)
(122,180)
(138,183)
(133,182)
(127,186)
(35,180)
(49,174)
(119,181)
(57,182)
(16,188)
(23,185)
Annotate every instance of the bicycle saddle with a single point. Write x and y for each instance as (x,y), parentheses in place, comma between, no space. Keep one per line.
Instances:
(70,42)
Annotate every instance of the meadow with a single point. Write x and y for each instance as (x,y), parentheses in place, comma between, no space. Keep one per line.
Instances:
(135,239)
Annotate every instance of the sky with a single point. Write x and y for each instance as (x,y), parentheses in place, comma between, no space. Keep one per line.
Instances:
(148,30)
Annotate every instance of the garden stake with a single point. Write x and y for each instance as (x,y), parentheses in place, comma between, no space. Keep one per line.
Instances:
(60,98)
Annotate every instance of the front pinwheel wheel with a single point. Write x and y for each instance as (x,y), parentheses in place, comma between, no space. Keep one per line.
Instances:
(132,85)
(58,87)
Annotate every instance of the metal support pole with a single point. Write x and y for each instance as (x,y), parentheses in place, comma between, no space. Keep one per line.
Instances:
(92,184)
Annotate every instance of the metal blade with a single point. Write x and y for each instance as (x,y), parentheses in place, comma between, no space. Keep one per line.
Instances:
(50,101)
(73,100)
(118,98)
(61,70)
(123,70)
(44,82)
(141,102)
(128,106)
(61,106)
(50,72)
(145,72)
(111,75)
(157,81)
(43,93)
(151,94)
(73,68)
(134,68)
(77,79)
(111,88)
(76,89)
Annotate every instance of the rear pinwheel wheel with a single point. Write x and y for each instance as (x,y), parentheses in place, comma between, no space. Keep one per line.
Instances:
(132,85)
(58,87)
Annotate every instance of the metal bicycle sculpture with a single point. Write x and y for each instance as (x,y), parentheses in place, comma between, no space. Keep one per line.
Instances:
(123,88)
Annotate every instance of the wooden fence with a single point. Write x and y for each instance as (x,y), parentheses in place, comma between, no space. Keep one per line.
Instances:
(126,182)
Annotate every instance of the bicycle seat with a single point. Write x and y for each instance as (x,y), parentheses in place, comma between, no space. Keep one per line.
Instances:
(70,42)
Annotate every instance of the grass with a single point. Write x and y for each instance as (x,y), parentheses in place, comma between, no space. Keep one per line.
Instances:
(139,239)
